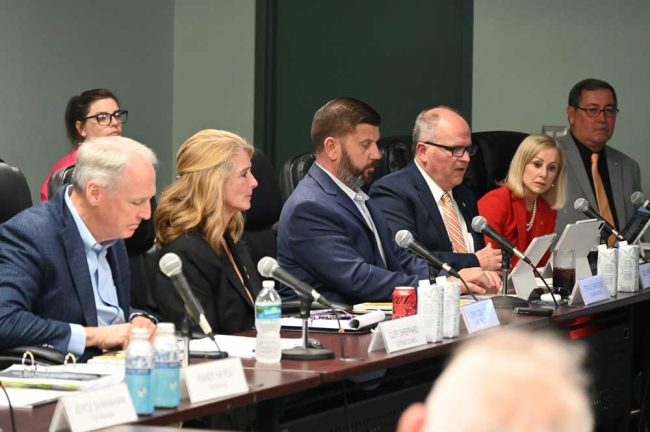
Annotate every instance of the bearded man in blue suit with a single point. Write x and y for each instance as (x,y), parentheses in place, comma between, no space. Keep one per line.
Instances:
(64,276)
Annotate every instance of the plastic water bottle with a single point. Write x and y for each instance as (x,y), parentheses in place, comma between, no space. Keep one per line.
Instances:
(268,308)
(139,368)
(166,367)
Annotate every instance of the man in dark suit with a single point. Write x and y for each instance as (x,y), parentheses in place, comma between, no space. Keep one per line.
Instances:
(64,277)
(330,234)
(591,112)
(411,197)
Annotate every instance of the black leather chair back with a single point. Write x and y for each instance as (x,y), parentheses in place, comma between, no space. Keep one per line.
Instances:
(58,179)
(491,162)
(293,171)
(266,204)
(15,195)
(396,152)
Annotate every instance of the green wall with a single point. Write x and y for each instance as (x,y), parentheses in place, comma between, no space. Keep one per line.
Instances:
(400,57)
(51,51)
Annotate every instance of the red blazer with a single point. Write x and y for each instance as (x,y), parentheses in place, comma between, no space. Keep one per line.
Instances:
(507,214)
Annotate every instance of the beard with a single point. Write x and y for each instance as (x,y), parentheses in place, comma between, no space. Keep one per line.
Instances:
(351,176)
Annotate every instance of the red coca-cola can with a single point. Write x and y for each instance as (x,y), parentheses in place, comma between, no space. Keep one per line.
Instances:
(404,302)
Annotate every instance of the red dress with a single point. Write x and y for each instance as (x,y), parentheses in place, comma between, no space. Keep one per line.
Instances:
(65,161)
(507,214)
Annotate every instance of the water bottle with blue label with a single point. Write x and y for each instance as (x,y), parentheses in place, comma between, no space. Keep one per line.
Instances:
(139,368)
(166,372)
(268,309)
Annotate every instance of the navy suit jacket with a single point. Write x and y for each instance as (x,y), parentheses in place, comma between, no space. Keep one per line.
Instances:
(407,203)
(324,241)
(44,277)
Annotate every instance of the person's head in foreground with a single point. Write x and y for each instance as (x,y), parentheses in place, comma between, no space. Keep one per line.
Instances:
(508,381)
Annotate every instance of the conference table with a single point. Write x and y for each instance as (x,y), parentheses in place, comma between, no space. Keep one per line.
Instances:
(368,391)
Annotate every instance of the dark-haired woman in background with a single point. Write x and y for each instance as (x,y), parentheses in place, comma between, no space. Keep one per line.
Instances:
(199,218)
(94,113)
(524,207)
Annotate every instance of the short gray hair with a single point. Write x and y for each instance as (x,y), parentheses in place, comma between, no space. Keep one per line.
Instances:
(103,160)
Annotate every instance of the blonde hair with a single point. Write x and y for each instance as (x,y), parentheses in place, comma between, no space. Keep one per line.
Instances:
(195,200)
(555,196)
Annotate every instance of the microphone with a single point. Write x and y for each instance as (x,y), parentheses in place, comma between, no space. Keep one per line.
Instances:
(172,267)
(582,205)
(480,225)
(404,239)
(637,199)
(269,268)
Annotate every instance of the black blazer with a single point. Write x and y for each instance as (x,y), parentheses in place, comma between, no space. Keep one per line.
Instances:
(214,282)
(407,203)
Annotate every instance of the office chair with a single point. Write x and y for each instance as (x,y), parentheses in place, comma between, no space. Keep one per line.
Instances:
(491,162)
(294,170)
(15,195)
(396,152)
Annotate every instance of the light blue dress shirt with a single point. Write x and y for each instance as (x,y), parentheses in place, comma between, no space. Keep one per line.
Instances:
(106,301)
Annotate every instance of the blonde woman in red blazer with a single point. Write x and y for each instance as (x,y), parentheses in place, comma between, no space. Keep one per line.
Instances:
(525,205)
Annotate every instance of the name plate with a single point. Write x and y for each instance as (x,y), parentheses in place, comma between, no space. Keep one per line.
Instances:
(93,409)
(593,289)
(644,275)
(215,379)
(480,316)
(397,335)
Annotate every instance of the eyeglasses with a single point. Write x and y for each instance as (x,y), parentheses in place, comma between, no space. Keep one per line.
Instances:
(104,118)
(457,151)
(595,112)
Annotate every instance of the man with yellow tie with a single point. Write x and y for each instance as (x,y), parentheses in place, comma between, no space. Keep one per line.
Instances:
(596,171)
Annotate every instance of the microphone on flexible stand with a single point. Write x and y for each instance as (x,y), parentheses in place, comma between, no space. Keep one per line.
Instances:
(404,238)
(481,226)
(172,267)
(269,268)
(582,205)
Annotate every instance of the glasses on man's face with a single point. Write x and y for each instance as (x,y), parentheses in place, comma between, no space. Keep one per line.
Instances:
(457,151)
(609,112)
(104,118)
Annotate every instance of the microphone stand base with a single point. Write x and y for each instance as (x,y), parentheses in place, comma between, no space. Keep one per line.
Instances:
(508,302)
(300,353)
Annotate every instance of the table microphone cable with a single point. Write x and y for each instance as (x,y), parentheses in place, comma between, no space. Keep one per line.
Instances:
(11,408)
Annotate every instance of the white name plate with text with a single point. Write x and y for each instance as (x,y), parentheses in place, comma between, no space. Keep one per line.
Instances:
(593,289)
(480,316)
(397,335)
(89,410)
(215,379)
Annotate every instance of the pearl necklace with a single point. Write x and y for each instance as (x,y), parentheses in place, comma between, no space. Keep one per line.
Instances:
(529,224)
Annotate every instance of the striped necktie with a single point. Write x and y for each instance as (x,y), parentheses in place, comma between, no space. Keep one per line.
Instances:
(601,196)
(450,217)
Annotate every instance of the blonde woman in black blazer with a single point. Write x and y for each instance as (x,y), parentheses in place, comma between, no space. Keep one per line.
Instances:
(199,218)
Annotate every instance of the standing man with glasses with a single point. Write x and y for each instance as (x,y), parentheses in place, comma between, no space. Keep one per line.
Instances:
(427,196)
(596,171)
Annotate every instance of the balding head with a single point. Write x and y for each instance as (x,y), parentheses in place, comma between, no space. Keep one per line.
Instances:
(436,132)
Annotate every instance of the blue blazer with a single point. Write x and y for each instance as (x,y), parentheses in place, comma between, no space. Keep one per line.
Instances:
(407,203)
(44,277)
(324,241)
